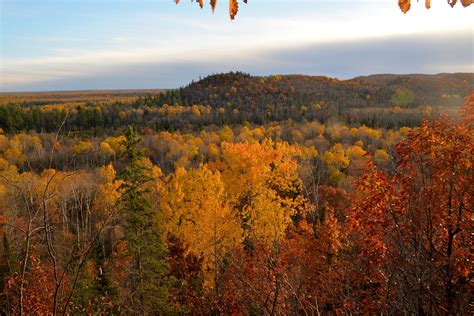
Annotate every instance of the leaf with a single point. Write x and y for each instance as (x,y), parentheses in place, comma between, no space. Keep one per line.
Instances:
(233,8)
(404,5)
(57,145)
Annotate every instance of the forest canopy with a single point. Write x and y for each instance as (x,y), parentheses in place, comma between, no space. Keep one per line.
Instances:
(236,194)
(239,194)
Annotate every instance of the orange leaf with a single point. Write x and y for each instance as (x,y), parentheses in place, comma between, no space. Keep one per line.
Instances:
(233,8)
(404,5)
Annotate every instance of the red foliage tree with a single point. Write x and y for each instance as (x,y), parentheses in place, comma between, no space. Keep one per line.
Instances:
(186,268)
(414,228)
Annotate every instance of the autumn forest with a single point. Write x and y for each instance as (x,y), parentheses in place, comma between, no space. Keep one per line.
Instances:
(240,195)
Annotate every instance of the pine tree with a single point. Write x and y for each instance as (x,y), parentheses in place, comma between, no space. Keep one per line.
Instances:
(8,267)
(147,276)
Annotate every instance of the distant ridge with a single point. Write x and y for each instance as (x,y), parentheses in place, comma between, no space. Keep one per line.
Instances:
(243,90)
(383,78)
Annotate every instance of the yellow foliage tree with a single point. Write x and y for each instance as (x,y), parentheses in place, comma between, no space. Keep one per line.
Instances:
(21,148)
(262,183)
(194,208)
(109,191)
(83,147)
(381,157)
(335,160)
(3,142)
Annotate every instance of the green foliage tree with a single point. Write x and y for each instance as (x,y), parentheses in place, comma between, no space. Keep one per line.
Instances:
(147,278)
(403,97)
(8,266)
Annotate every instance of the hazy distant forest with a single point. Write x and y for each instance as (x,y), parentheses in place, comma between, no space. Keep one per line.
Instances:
(240,195)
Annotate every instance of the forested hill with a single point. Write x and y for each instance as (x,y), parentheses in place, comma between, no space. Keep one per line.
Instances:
(242,90)
(441,89)
(385,101)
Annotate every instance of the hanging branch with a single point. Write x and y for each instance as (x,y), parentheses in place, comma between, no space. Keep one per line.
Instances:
(233,6)
(404,5)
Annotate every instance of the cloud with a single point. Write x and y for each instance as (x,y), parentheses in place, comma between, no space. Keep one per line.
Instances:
(417,53)
(142,44)
(430,53)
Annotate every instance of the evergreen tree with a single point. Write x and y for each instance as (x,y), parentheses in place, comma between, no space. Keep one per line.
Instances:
(147,278)
(8,267)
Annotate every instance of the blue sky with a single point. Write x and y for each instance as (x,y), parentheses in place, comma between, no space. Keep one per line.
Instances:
(120,44)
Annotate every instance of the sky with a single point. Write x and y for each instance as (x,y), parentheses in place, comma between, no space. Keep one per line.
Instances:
(51,45)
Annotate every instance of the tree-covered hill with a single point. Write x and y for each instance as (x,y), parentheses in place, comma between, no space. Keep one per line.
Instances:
(440,89)
(241,90)
(388,101)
